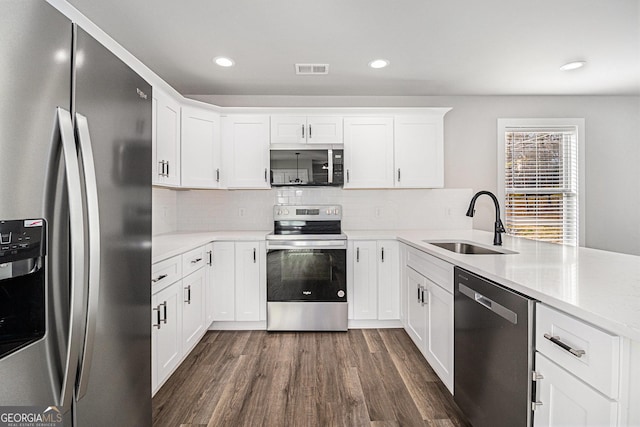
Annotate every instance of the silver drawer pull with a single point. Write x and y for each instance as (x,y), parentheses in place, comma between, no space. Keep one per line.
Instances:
(162,276)
(195,261)
(556,341)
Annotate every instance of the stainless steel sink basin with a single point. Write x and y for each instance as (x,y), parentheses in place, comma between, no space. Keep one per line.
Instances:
(469,248)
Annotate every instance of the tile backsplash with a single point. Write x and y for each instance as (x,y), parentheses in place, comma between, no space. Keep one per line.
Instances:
(198,210)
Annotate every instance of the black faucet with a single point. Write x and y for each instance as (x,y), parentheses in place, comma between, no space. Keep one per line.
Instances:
(497,227)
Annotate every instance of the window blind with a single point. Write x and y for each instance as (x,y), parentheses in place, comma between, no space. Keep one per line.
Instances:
(541,184)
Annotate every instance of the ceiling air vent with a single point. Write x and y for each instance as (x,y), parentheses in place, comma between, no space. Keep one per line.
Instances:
(312,69)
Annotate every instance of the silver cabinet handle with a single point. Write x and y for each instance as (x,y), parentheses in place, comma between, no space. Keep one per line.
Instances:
(564,346)
(218,175)
(302,131)
(161,164)
(160,277)
(265,175)
(188,288)
(419,288)
(357,254)
(168,173)
(254,255)
(310,132)
(422,301)
(398,174)
(158,313)
(164,309)
(93,236)
(210,253)
(382,254)
(195,261)
(63,132)
(347,175)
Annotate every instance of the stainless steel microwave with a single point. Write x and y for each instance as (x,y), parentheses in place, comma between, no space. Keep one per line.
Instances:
(314,168)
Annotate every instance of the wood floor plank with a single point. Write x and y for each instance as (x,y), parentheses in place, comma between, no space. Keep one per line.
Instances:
(255,378)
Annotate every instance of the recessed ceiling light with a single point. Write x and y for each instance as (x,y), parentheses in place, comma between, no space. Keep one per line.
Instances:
(573,65)
(378,63)
(223,61)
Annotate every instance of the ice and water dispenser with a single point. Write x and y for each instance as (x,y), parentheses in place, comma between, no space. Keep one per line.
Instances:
(22,283)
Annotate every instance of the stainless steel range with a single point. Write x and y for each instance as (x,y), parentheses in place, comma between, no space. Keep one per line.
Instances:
(307,269)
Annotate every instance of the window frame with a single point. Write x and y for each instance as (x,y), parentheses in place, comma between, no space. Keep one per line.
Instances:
(546,123)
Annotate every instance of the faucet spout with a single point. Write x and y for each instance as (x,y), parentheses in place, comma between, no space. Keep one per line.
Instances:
(498,227)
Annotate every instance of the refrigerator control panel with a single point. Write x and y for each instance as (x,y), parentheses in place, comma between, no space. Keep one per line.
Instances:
(22,239)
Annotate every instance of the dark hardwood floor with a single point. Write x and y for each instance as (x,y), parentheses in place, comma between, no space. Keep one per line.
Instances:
(365,377)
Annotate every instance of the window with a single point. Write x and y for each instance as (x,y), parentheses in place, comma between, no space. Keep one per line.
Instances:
(539,178)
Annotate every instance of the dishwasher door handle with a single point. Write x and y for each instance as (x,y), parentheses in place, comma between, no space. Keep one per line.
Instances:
(489,304)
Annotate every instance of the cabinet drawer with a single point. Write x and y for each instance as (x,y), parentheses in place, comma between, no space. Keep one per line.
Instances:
(598,366)
(193,260)
(434,269)
(166,272)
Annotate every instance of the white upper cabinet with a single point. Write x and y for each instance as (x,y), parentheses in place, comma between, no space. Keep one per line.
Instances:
(306,130)
(245,150)
(200,148)
(419,151)
(368,152)
(166,140)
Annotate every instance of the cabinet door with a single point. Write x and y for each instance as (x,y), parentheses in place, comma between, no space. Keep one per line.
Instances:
(167,140)
(168,337)
(368,152)
(288,129)
(439,345)
(324,130)
(245,148)
(208,286)
(193,309)
(200,148)
(388,283)
(419,152)
(247,281)
(223,298)
(567,401)
(416,311)
(365,281)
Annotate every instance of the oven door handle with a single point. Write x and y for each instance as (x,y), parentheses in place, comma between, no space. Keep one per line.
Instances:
(307,244)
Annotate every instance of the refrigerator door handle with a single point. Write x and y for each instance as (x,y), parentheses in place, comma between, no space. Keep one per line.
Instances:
(64,128)
(93,222)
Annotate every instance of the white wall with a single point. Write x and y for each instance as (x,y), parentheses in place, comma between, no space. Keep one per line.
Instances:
(612,149)
(363,209)
(165,211)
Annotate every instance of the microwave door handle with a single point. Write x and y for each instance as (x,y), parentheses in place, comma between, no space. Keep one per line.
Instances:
(93,221)
(63,133)
(330,164)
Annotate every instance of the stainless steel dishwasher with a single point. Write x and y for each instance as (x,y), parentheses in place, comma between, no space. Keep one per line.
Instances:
(493,357)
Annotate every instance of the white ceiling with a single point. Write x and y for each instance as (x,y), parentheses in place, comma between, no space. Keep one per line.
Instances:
(436,47)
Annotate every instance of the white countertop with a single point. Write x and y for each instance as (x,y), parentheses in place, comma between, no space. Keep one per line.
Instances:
(165,246)
(598,286)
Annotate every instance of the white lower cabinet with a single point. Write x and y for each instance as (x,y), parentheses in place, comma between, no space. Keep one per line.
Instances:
(222,283)
(578,372)
(238,281)
(178,312)
(247,283)
(166,332)
(193,309)
(429,310)
(564,400)
(375,290)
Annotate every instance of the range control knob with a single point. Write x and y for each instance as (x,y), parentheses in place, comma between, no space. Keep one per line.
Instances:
(340,293)
(336,211)
(328,211)
(286,212)
(279,212)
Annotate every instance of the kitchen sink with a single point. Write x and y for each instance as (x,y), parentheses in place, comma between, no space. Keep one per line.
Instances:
(469,248)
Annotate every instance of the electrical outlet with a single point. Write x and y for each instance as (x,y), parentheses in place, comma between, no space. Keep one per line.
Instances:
(242,212)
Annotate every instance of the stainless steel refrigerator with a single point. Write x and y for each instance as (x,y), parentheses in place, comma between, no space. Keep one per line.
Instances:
(75,223)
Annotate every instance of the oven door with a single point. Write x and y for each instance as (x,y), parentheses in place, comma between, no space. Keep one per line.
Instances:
(299,271)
